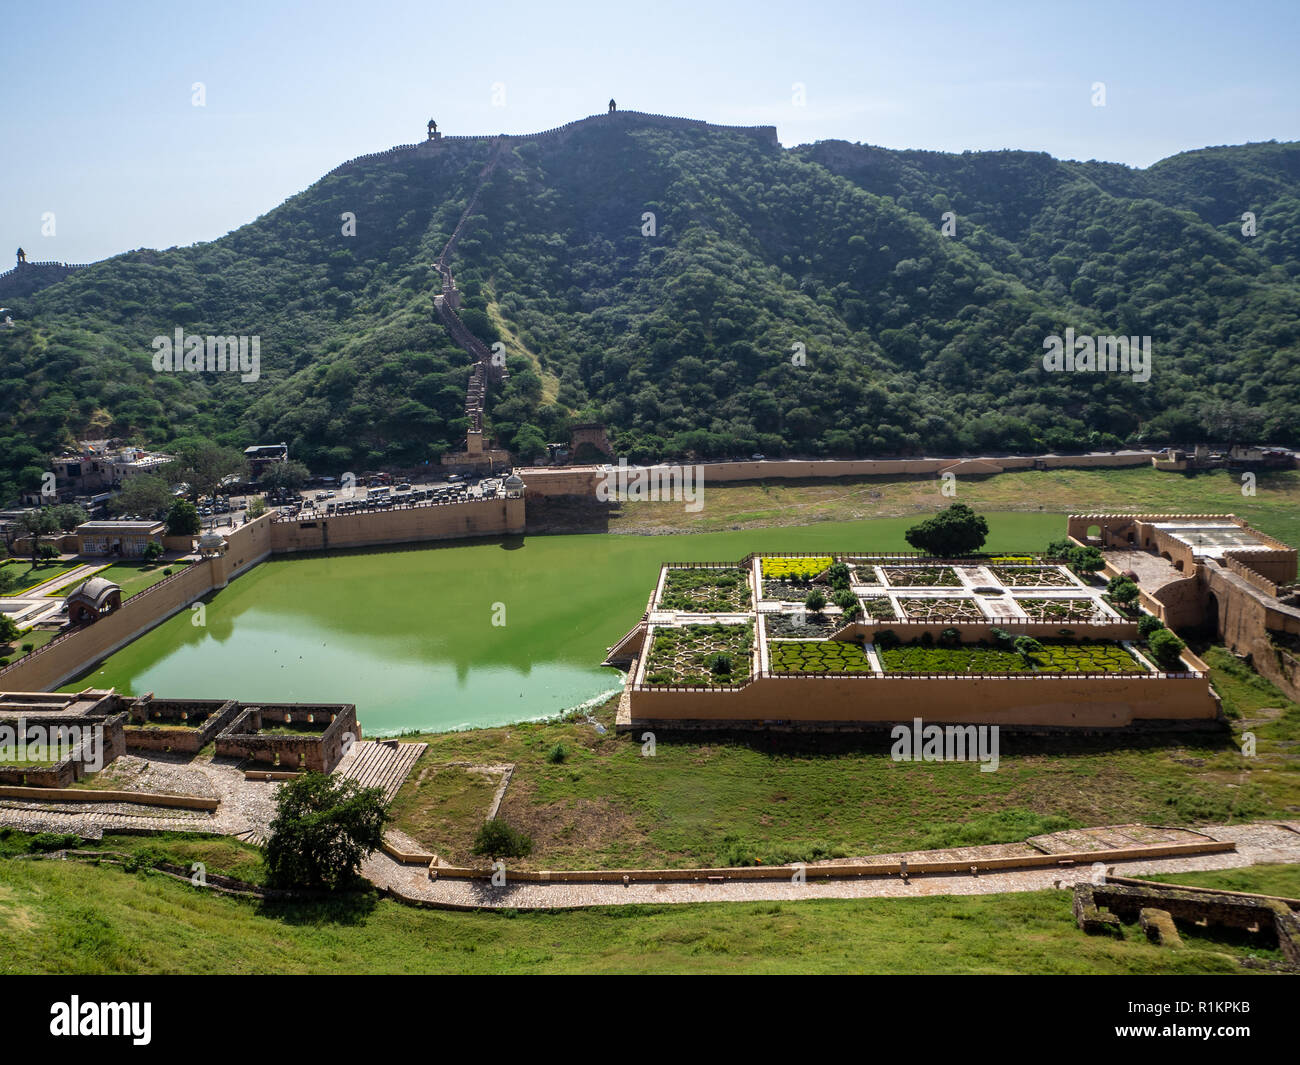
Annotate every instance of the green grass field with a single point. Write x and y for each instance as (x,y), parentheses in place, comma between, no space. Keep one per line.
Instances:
(782,798)
(70,917)
(19,576)
(131,577)
(1274,508)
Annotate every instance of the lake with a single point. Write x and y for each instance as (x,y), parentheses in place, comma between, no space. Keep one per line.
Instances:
(444,636)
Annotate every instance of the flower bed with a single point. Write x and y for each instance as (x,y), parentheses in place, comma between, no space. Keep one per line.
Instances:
(813,624)
(1058,609)
(817,656)
(1088,656)
(968,658)
(689,656)
(941,610)
(878,608)
(786,591)
(706,591)
(921,576)
(1064,656)
(1030,576)
(795,569)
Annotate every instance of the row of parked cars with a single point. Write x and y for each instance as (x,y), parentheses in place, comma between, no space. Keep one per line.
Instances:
(384,498)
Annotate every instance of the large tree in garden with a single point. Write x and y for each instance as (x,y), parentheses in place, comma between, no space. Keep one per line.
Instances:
(951,533)
(323,827)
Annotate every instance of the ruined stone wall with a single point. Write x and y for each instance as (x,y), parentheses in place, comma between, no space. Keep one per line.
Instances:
(321,752)
(208,717)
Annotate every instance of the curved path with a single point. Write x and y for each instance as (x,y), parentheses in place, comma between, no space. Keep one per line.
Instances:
(1258,843)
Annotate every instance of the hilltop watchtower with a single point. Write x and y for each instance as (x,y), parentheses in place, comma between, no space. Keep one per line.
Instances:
(434,135)
(612,105)
(22,256)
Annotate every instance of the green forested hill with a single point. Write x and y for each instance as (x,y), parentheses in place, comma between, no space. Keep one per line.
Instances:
(682,342)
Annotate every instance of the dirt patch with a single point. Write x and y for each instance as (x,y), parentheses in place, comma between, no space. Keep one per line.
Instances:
(569,827)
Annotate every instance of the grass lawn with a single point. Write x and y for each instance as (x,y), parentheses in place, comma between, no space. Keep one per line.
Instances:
(70,917)
(36,637)
(18,576)
(449,803)
(734,800)
(1275,508)
(132,577)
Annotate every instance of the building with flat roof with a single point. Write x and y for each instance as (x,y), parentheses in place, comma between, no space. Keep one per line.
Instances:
(125,539)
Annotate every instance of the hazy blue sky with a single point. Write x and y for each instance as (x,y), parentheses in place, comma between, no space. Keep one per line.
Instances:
(97,124)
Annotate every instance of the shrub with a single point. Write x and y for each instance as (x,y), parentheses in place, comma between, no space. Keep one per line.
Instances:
(557,754)
(496,839)
(1122,590)
(1147,624)
(815,601)
(887,638)
(839,577)
(153,551)
(1002,638)
(718,663)
(3,662)
(47,552)
(1027,646)
(1166,648)
(44,842)
(950,637)
(844,599)
(28,648)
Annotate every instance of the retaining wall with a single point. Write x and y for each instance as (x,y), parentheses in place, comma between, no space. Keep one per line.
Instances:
(448,521)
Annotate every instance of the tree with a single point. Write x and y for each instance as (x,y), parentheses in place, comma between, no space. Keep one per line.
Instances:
(8,629)
(146,494)
(290,477)
(205,466)
(1122,590)
(183,518)
(153,551)
(37,523)
(1147,624)
(69,515)
(951,533)
(256,508)
(815,600)
(1166,648)
(323,827)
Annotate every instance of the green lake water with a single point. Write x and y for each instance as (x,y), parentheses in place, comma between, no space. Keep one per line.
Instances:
(408,635)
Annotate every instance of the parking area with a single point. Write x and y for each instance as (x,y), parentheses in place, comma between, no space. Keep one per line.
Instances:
(370,495)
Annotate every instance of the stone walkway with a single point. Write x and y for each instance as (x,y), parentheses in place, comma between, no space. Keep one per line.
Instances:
(1262,843)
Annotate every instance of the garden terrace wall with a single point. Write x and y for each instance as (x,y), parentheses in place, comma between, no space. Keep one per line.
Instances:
(1030,700)
(320,752)
(398,525)
(143,734)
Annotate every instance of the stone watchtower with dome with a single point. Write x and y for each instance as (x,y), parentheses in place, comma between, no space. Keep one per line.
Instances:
(434,135)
